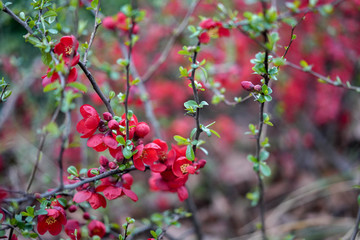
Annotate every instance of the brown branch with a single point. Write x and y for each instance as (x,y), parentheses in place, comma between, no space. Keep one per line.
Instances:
(96,87)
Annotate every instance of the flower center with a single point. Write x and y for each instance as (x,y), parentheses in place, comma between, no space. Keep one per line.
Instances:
(183,168)
(50,220)
(68,50)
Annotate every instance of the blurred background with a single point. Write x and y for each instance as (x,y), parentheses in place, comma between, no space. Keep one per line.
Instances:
(315,140)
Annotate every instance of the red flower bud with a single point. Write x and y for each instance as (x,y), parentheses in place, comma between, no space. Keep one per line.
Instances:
(248,86)
(107,116)
(142,129)
(86,216)
(89,174)
(37,195)
(257,88)
(72,208)
(109,23)
(113,124)
(103,161)
(112,165)
(201,163)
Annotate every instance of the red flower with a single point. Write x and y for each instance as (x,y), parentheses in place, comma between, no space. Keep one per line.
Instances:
(109,23)
(113,189)
(208,24)
(90,123)
(96,228)
(95,199)
(182,166)
(52,221)
(148,155)
(204,38)
(70,228)
(68,46)
(72,77)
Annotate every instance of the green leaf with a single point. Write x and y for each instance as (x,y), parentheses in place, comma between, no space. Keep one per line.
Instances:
(252,158)
(51,86)
(79,86)
(190,104)
(73,171)
(215,133)
(62,201)
(129,115)
(127,153)
(265,169)
(120,139)
(50,13)
(268,98)
(53,31)
(153,233)
(203,103)
(180,140)
(264,155)
(41,212)
(52,128)
(190,153)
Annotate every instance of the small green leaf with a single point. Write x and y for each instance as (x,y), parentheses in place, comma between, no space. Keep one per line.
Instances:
(265,169)
(79,86)
(180,140)
(215,133)
(190,153)
(264,155)
(40,212)
(73,171)
(153,233)
(127,153)
(62,201)
(51,86)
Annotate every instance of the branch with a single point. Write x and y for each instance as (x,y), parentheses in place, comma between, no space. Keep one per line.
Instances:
(151,70)
(96,87)
(96,25)
(16,18)
(74,185)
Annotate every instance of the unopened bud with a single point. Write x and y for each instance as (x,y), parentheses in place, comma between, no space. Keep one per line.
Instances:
(248,86)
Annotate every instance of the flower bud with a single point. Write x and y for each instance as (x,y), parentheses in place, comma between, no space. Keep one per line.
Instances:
(112,165)
(86,216)
(257,88)
(90,172)
(103,161)
(248,86)
(201,163)
(107,116)
(142,129)
(109,23)
(114,125)
(72,208)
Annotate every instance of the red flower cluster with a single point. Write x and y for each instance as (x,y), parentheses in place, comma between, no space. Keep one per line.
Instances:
(170,169)
(177,171)
(120,22)
(213,29)
(67,48)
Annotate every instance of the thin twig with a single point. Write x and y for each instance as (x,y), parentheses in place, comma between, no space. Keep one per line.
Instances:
(149,110)
(190,203)
(128,77)
(96,25)
(176,33)
(74,185)
(96,87)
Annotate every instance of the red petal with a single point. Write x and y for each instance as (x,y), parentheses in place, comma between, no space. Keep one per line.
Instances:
(150,156)
(138,163)
(73,74)
(55,228)
(110,142)
(130,194)
(95,140)
(158,167)
(97,200)
(87,110)
(75,60)
(82,196)
(182,193)
(112,192)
